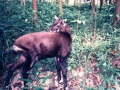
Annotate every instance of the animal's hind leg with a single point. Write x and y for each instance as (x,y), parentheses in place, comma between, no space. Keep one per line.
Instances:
(21,60)
(58,68)
(25,70)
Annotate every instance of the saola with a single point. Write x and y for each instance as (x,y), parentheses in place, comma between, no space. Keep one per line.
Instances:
(38,45)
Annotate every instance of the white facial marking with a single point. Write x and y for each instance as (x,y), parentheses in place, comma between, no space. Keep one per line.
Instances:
(64,24)
(58,30)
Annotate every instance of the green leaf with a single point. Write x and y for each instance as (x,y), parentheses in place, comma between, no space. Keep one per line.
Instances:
(26,80)
(45,78)
(37,88)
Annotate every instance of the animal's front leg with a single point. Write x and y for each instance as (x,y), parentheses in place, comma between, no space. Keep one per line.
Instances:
(64,72)
(58,68)
(33,59)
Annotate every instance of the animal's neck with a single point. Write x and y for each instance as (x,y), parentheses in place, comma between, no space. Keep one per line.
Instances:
(65,28)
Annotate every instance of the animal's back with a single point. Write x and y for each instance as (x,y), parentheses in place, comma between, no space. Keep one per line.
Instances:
(45,43)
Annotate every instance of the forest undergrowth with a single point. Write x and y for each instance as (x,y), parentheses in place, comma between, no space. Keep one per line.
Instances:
(94,61)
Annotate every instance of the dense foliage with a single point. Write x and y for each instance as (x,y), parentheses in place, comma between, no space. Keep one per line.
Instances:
(102,49)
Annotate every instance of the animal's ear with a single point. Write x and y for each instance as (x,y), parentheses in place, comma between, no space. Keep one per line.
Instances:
(56,17)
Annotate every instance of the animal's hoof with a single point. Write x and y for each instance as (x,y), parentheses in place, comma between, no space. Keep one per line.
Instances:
(66,88)
(61,81)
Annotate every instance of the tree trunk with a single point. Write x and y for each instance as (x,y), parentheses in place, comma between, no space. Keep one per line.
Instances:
(4,10)
(60,5)
(93,17)
(67,1)
(22,2)
(35,11)
(78,14)
(117,12)
(101,3)
(53,2)
(110,2)
(93,6)
(39,1)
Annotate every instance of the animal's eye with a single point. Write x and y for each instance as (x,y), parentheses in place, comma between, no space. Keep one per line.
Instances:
(55,24)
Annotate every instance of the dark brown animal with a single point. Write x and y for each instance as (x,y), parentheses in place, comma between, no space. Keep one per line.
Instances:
(41,45)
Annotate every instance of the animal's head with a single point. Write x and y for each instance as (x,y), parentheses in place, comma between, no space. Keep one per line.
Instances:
(58,25)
